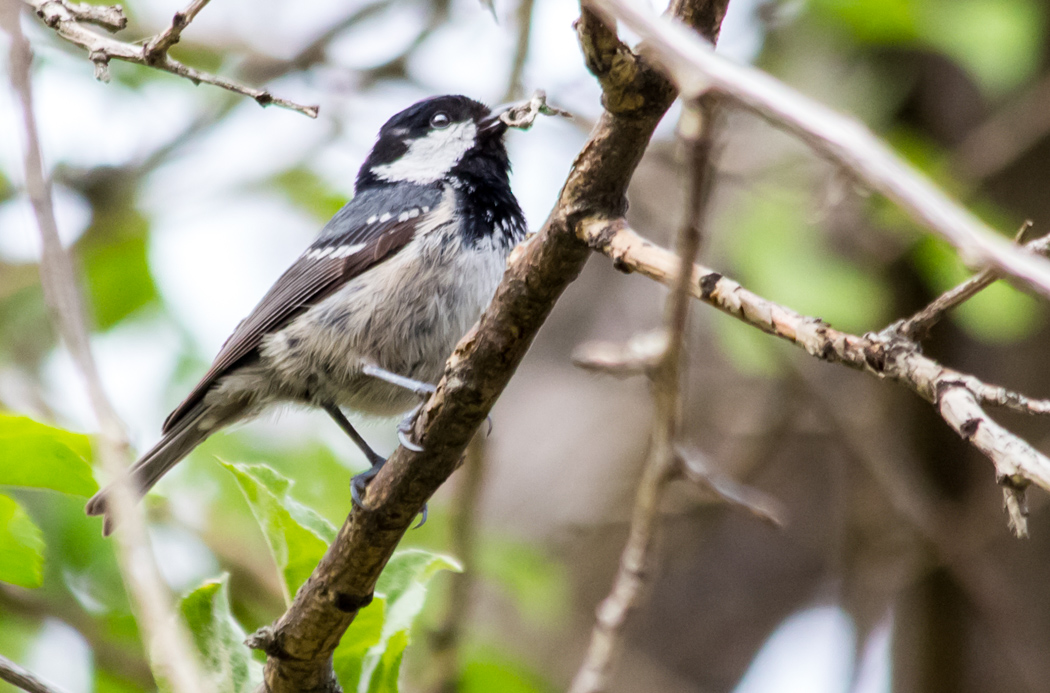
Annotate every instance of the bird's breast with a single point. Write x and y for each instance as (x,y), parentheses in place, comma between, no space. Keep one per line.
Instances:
(404,315)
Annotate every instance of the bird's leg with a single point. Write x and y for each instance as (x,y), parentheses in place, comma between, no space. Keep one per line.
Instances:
(359,483)
(417,386)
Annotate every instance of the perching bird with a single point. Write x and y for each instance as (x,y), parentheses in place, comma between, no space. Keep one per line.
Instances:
(366,317)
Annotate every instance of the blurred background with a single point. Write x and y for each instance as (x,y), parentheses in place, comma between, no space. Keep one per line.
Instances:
(895,570)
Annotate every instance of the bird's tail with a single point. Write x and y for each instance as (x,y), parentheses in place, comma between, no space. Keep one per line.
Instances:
(189,432)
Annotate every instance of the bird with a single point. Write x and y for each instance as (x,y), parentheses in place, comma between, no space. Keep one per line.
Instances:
(366,317)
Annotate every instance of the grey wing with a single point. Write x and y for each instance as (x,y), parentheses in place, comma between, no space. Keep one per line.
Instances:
(329,263)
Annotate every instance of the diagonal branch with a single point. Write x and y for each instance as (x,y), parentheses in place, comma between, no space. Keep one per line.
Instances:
(24,679)
(67,20)
(300,644)
(696,68)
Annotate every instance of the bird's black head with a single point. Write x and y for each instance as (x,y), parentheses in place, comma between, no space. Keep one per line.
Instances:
(441,139)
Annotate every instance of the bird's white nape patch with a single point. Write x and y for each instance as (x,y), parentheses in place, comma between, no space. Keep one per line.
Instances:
(429,158)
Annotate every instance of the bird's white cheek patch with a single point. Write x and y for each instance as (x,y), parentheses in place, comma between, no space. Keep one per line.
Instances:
(429,158)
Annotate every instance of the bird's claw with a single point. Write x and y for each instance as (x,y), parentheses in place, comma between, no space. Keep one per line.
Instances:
(405,429)
(359,484)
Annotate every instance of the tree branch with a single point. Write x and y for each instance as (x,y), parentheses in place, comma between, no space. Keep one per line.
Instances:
(696,68)
(24,679)
(957,396)
(301,642)
(66,19)
(163,632)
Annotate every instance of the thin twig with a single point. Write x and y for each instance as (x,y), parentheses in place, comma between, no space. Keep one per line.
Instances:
(446,639)
(102,49)
(523,18)
(918,326)
(730,492)
(165,637)
(957,396)
(157,47)
(639,355)
(111,18)
(696,68)
(662,464)
(24,679)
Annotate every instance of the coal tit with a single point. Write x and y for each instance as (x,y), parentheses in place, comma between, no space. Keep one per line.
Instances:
(367,316)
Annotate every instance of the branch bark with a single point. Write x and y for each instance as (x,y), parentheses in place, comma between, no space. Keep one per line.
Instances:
(300,644)
(67,19)
(24,679)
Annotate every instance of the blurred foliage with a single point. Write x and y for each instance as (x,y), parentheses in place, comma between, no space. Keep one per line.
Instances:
(113,250)
(999,41)
(487,669)
(306,189)
(779,254)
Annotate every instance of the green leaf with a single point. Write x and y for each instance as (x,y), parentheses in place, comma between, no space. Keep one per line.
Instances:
(369,656)
(364,634)
(21,546)
(227,661)
(297,536)
(39,456)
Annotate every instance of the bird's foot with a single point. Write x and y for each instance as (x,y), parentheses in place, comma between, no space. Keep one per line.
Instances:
(405,430)
(359,483)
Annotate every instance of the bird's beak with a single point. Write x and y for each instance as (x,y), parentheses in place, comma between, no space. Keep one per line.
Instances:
(493,124)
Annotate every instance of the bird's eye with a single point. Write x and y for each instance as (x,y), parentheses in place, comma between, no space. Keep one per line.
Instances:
(440,121)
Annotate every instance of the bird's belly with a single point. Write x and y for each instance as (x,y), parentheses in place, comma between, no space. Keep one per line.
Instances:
(404,316)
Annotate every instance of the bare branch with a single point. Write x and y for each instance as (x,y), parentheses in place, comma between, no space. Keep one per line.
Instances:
(956,395)
(761,505)
(696,68)
(101,49)
(163,632)
(157,47)
(523,18)
(110,17)
(640,355)
(24,679)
